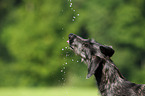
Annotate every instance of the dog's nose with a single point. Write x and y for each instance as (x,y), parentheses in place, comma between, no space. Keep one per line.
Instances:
(71,35)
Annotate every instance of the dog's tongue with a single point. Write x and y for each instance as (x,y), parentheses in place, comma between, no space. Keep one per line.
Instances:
(68,41)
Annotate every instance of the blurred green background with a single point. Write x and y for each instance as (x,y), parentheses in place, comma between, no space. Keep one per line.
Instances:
(33,48)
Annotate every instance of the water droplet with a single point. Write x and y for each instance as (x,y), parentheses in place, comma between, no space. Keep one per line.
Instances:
(70,4)
(66,55)
(77,61)
(73,19)
(78,14)
(61,70)
(66,63)
(72,59)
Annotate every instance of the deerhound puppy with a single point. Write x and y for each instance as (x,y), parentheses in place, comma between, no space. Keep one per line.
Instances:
(109,79)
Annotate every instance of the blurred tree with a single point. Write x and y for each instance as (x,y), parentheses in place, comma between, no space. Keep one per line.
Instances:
(32,37)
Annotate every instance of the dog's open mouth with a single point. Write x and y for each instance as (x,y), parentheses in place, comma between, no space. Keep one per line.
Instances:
(72,47)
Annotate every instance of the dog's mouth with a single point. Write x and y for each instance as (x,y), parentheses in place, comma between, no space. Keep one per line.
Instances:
(72,47)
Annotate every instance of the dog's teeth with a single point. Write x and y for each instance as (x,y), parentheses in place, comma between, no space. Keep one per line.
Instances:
(82,60)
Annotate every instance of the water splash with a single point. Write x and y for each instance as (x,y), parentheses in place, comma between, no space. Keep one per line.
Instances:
(65,53)
(65,47)
(74,11)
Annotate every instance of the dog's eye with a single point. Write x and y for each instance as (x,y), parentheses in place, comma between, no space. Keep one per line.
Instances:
(83,50)
(86,45)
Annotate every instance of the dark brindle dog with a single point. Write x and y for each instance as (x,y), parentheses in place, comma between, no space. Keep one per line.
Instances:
(109,79)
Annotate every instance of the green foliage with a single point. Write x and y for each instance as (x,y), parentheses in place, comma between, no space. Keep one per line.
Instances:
(33,37)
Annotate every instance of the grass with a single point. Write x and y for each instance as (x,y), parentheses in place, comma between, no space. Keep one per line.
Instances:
(54,91)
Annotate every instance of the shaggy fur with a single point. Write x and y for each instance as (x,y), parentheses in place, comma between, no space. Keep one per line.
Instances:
(109,79)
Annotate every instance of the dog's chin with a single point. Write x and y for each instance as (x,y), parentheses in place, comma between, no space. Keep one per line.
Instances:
(86,61)
(71,47)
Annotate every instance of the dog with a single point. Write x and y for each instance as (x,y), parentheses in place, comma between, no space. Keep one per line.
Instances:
(110,81)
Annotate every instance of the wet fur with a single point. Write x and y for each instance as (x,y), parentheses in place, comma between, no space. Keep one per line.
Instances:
(109,79)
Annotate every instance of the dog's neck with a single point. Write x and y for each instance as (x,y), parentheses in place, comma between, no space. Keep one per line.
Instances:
(106,74)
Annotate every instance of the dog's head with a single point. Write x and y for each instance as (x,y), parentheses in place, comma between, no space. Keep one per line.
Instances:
(90,51)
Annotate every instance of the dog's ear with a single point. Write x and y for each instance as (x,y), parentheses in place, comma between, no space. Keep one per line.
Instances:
(93,65)
(107,51)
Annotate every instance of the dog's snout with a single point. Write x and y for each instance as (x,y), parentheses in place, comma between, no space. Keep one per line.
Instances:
(71,38)
(71,34)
